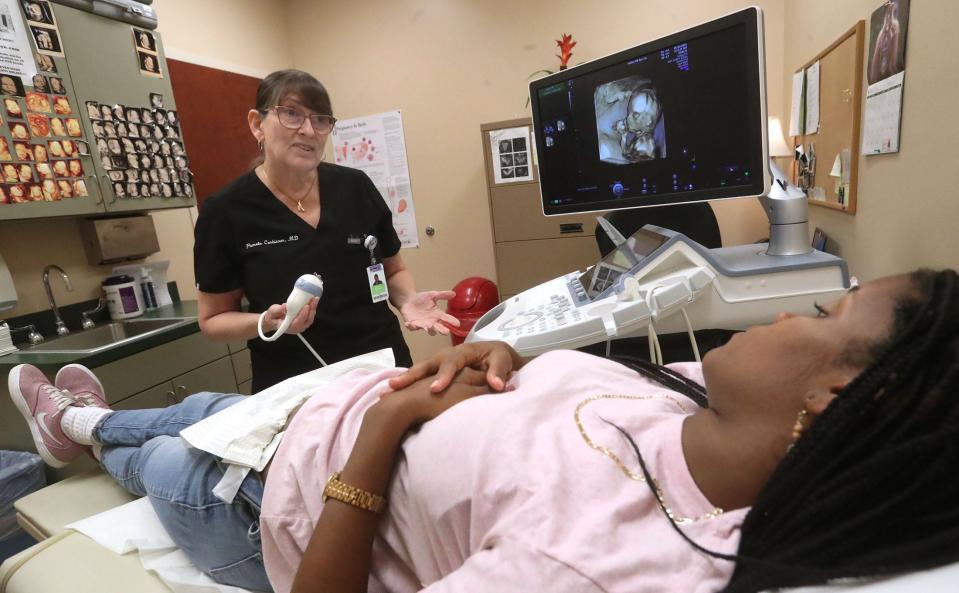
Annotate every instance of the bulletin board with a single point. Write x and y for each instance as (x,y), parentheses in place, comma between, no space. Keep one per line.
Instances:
(213,107)
(836,142)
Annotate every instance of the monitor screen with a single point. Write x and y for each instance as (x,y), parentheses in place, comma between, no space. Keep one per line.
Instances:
(679,119)
(620,260)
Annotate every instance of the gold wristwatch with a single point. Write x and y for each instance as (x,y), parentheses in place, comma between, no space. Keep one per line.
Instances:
(352,495)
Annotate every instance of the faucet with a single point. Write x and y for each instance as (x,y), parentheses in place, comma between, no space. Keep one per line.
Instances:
(88,323)
(61,326)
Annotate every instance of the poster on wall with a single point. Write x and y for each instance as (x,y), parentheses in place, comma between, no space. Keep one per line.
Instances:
(376,145)
(885,74)
(510,155)
(16,58)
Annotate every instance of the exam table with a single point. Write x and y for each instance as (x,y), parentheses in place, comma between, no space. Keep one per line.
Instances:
(67,561)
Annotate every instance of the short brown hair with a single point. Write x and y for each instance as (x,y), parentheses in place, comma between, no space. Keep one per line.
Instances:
(283,83)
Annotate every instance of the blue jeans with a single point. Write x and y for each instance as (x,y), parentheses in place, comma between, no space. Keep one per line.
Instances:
(143,451)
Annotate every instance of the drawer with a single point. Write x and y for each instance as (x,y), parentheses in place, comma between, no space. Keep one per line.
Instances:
(236,346)
(216,376)
(160,396)
(524,264)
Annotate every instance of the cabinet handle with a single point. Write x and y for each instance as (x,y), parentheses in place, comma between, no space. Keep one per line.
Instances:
(181,392)
(170,398)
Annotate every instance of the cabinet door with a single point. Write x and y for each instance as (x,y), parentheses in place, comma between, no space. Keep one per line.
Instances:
(143,370)
(105,68)
(524,264)
(242,366)
(160,396)
(72,206)
(216,376)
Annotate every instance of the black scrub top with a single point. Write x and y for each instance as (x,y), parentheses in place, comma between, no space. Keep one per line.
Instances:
(247,239)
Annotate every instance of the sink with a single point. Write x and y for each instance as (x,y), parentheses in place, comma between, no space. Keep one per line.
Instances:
(89,341)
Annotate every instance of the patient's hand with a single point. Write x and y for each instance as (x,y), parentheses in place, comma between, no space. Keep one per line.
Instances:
(418,402)
(497,359)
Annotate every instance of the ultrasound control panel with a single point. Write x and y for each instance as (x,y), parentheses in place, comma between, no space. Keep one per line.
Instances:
(651,277)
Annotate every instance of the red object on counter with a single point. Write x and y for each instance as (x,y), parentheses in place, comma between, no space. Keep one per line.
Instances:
(474,297)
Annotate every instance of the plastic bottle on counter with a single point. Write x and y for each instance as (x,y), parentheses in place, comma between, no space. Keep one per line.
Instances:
(146,286)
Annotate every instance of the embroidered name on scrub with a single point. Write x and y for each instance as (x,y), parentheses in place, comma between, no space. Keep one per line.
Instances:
(289,239)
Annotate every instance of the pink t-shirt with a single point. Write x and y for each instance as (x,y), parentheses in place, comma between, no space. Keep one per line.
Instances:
(502,493)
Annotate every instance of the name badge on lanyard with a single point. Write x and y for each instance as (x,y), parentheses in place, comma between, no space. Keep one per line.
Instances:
(377,277)
(375,274)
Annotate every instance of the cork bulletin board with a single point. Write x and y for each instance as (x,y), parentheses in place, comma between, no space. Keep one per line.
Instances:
(832,181)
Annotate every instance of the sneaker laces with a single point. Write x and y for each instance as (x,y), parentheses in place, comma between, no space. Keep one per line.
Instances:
(61,397)
(87,399)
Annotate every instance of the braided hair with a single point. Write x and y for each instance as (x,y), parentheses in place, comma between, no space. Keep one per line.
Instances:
(870,488)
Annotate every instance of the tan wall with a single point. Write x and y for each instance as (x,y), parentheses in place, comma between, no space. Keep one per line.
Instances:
(453,65)
(907,206)
(246,36)
(243,36)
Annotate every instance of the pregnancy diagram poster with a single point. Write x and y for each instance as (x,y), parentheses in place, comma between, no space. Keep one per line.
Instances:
(376,145)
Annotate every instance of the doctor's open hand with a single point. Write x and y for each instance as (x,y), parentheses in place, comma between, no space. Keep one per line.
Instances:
(496,359)
(304,319)
(421,312)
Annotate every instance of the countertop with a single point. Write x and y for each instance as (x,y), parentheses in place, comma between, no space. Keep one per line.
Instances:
(182,309)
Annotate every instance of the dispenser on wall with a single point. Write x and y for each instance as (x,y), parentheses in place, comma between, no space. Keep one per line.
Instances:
(111,240)
(8,294)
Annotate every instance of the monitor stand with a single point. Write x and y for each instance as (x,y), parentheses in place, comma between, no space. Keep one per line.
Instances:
(787,209)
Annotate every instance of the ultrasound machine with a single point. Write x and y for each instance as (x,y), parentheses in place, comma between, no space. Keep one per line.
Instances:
(677,120)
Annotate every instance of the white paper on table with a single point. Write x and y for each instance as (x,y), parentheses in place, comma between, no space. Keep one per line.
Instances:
(883,114)
(795,108)
(376,145)
(812,99)
(135,526)
(510,155)
(16,58)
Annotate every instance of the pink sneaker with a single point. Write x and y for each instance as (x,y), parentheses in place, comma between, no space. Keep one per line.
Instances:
(83,385)
(42,406)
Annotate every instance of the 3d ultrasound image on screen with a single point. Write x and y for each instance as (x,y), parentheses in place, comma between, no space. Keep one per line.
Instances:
(674,120)
(630,123)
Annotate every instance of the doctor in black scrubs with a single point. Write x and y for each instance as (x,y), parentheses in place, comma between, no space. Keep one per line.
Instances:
(294,214)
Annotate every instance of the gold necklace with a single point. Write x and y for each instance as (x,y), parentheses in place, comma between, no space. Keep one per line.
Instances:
(678,519)
(299,203)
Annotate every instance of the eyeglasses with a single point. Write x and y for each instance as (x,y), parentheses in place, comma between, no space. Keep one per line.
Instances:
(292,118)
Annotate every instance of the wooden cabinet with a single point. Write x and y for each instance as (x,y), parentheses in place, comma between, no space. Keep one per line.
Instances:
(216,376)
(529,247)
(164,365)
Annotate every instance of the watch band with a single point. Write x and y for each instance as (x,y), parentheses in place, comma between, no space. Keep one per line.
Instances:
(352,495)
